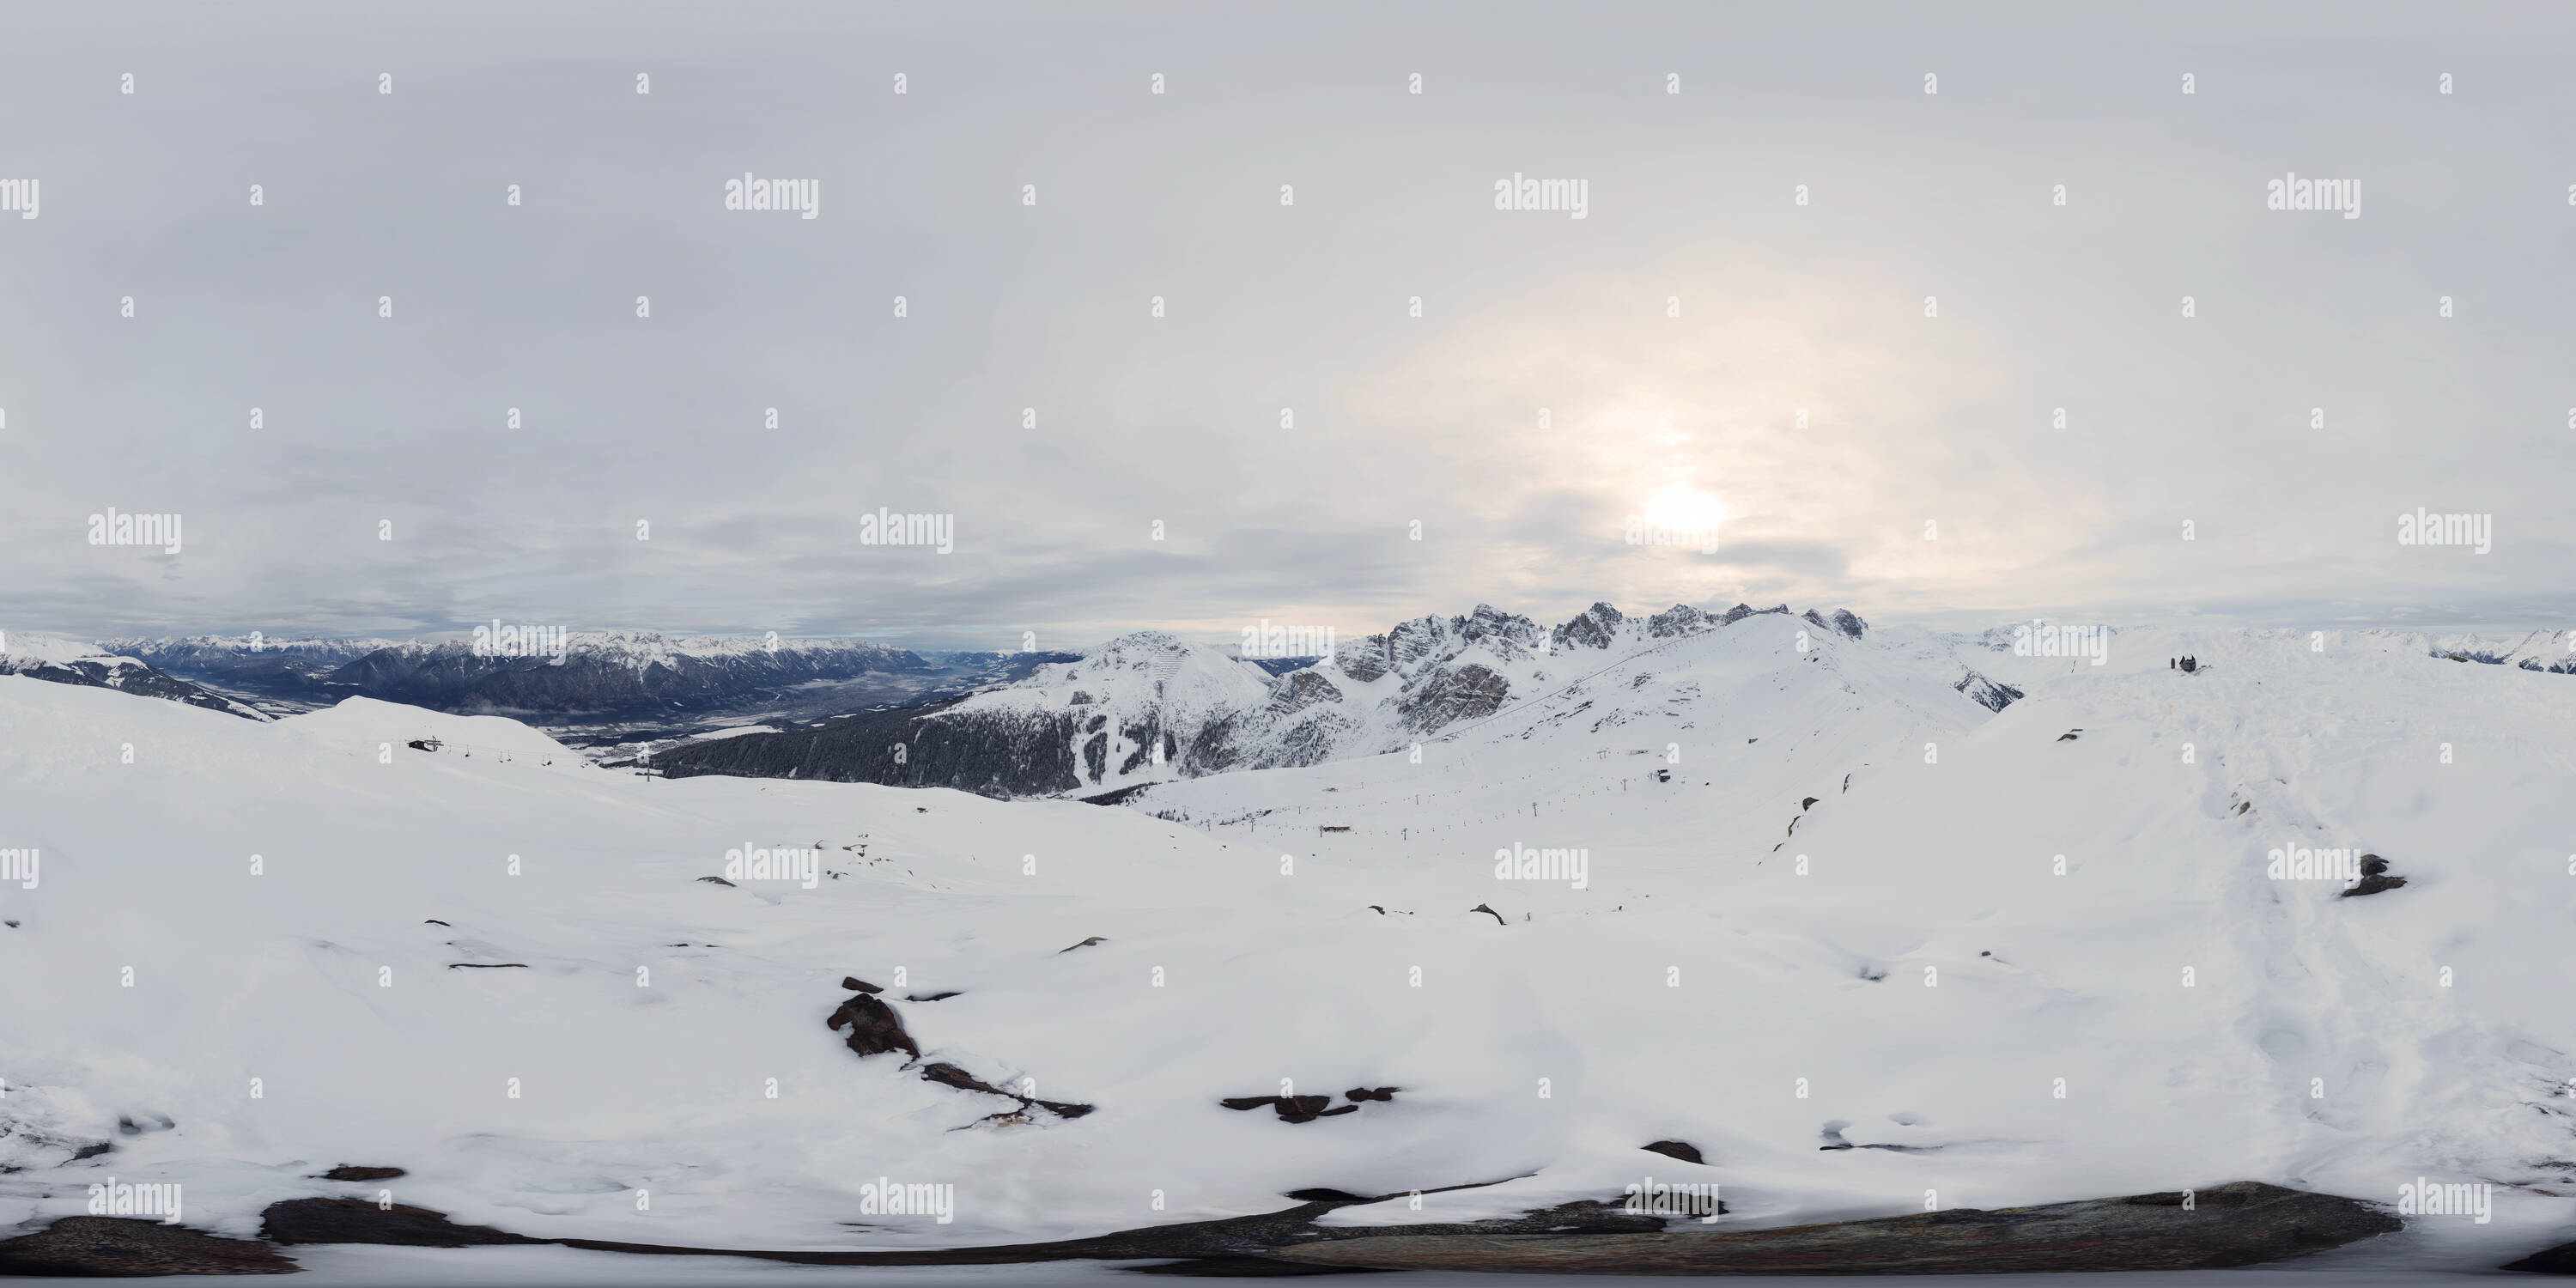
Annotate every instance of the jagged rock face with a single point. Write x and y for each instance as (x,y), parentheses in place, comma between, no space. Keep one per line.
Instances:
(1451,694)
(1300,690)
(1404,649)
(1363,660)
(1843,622)
(1741,611)
(1592,628)
(1412,641)
(1310,739)
(1215,748)
(1680,619)
(1313,740)
(1509,635)
(1990,694)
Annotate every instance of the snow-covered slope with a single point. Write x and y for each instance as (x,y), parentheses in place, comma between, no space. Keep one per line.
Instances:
(65,661)
(1848,1003)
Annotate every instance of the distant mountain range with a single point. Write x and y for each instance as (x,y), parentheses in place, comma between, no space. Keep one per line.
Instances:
(1143,708)
(1149,707)
(565,675)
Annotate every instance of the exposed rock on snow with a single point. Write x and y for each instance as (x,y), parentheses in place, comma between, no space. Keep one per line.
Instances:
(876,1030)
(1594,627)
(88,1246)
(1843,622)
(2239,1224)
(874,1027)
(359,1221)
(2374,877)
(1452,694)
(949,1075)
(1987,693)
(2560,1260)
(1240,1244)
(1680,619)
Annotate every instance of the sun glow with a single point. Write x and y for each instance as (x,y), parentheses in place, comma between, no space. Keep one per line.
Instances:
(1685,509)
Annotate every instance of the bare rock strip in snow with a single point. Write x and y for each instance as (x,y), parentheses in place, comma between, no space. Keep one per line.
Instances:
(875,1029)
(339,1220)
(2239,1224)
(1228,1244)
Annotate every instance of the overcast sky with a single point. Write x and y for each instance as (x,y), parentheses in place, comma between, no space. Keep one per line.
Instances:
(1691,207)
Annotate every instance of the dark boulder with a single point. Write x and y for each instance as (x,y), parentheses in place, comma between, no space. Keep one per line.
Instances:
(2374,877)
(1681,1149)
(874,1027)
(100,1246)
(358,1221)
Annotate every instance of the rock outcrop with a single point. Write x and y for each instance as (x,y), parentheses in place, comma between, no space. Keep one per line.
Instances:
(107,1246)
(2244,1223)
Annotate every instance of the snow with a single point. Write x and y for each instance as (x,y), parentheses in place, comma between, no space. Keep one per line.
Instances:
(1682,992)
(30,648)
(1146,670)
(366,724)
(326,1266)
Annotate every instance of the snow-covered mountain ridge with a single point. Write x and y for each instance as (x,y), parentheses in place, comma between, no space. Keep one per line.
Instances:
(1149,707)
(1818,930)
(65,661)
